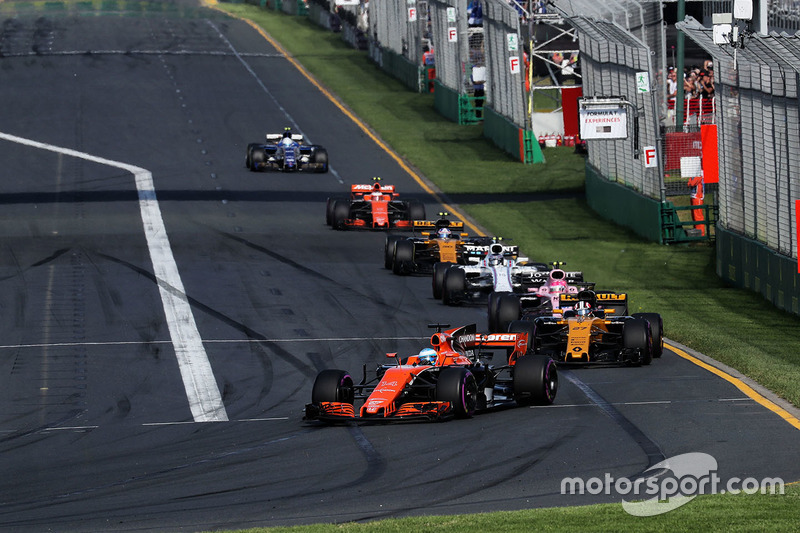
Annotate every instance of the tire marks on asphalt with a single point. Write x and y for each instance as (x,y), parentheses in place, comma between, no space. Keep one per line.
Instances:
(651,449)
(205,401)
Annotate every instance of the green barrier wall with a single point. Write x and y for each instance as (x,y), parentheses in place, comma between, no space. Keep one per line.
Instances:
(624,206)
(401,68)
(446,101)
(750,265)
(509,137)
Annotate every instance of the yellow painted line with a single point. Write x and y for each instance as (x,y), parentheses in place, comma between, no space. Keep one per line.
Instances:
(741,385)
(350,115)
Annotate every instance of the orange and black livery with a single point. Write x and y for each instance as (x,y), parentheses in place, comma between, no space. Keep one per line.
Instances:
(373,206)
(448,379)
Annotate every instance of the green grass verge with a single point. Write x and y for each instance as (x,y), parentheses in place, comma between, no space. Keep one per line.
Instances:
(736,327)
(729,513)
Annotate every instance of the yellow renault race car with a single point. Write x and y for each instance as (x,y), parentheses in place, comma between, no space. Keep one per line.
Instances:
(587,329)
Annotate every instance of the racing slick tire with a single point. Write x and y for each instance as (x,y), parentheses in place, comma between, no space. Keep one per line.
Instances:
(656,331)
(491,311)
(636,336)
(403,253)
(535,380)
(249,159)
(506,312)
(454,284)
(258,156)
(438,278)
(341,212)
(415,210)
(457,385)
(388,250)
(333,386)
(320,160)
(329,210)
(524,326)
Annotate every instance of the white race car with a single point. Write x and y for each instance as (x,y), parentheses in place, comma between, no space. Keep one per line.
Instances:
(501,271)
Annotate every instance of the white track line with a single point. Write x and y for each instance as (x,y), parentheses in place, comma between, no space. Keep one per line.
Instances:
(209,341)
(202,392)
(295,126)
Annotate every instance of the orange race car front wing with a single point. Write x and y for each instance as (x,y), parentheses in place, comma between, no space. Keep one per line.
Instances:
(345,412)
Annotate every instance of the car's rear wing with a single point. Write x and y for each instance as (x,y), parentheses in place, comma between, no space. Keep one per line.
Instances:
(480,250)
(364,188)
(278,136)
(543,276)
(431,224)
(602,299)
(468,342)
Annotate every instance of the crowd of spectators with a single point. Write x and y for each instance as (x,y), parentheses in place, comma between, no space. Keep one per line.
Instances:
(698,89)
(699,82)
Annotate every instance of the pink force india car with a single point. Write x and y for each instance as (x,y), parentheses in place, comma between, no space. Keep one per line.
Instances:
(540,297)
(449,379)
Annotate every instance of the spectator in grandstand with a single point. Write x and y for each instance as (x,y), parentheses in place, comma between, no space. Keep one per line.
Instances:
(475,13)
(706,82)
(672,92)
(690,84)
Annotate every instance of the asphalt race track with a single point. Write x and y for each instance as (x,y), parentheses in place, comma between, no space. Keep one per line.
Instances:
(98,429)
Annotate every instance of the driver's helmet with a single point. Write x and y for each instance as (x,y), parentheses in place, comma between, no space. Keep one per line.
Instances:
(287,140)
(494,259)
(583,308)
(444,233)
(558,286)
(427,356)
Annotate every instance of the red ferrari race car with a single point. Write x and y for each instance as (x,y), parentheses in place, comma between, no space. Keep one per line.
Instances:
(373,206)
(449,379)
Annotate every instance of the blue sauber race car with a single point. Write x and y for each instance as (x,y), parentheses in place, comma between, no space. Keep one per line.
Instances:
(286,153)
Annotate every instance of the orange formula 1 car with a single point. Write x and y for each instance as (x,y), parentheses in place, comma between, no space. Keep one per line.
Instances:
(373,206)
(444,381)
